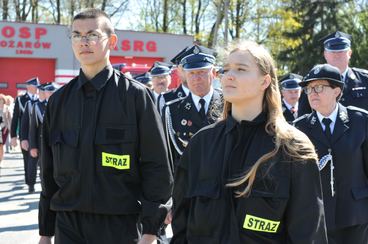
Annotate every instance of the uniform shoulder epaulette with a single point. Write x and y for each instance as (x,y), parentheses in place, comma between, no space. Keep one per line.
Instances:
(357,109)
(364,71)
(300,118)
(174,101)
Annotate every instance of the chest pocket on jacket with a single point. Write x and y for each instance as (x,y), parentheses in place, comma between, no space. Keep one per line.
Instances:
(64,150)
(262,212)
(359,92)
(208,210)
(116,149)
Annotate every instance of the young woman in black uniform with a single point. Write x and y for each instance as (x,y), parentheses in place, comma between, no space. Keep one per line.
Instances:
(252,177)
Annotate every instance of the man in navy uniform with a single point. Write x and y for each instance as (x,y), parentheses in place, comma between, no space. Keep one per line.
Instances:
(16,124)
(184,116)
(36,120)
(337,52)
(182,90)
(340,135)
(290,91)
(161,79)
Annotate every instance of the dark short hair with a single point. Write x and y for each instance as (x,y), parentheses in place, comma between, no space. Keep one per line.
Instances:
(94,13)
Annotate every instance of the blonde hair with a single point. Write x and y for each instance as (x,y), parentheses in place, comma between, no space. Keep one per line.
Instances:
(295,144)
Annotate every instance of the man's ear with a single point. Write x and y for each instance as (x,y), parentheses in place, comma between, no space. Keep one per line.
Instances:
(113,40)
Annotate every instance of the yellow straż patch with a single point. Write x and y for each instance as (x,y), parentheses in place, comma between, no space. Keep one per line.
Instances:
(260,224)
(116,161)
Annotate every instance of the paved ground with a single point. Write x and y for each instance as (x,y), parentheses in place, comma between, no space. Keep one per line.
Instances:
(18,208)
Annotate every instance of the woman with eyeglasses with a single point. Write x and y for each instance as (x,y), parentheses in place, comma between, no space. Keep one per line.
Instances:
(340,135)
(251,178)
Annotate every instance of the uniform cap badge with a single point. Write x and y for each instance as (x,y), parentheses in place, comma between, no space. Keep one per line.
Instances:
(316,70)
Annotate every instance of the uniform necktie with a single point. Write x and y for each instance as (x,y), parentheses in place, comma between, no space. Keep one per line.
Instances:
(202,111)
(294,111)
(327,122)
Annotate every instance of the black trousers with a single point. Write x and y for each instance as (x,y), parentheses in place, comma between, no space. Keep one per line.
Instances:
(357,234)
(86,228)
(30,169)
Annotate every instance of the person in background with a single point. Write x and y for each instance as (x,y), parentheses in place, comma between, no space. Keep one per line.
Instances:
(338,52)
(252,177)
(340,136)
(161,79)
(184,116)
(7,116)
(16,125)
(290,91)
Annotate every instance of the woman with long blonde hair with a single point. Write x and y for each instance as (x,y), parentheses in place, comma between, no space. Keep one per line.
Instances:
(252,177)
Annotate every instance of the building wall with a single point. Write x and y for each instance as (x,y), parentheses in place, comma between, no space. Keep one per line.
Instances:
(32,42)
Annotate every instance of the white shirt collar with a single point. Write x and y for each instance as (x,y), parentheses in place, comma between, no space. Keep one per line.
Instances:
(289,106)
(186,90)
(207,98)
(156,95)
(332,117)
(343,74)
(32,96)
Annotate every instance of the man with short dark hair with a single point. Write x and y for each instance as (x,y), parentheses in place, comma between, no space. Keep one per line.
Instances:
(104,159)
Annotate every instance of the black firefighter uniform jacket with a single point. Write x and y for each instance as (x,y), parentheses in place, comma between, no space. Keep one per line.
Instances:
(349,149)
(284,206)
(112,161)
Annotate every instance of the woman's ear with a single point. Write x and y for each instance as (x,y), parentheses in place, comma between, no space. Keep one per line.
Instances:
(266,81)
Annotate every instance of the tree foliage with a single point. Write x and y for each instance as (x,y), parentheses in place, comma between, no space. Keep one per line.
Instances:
(290,29)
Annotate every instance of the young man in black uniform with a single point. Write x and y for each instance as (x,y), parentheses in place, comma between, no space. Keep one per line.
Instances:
(184,116)
(36,120)
(16,126)
(290,91)
(104,159)
(340,135)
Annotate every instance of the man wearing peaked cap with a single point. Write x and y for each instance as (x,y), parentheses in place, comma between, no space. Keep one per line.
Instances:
(337,52)
(340,136)
(182,90)
(36,119)
(161,78)
(290,91)
(144,78)
(183,117)
(20,107)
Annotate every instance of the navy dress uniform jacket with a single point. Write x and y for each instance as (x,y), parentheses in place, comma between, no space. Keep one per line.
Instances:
(356,88)
(26,120)
(284,206)
(35,124)
(349,148)
(104,152)
(168,96)
(182,120)
(19,107)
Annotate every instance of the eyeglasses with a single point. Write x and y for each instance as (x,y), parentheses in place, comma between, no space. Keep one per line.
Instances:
(92,38)
(317,89)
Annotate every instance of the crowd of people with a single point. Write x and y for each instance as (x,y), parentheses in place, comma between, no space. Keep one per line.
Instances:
(261,160)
